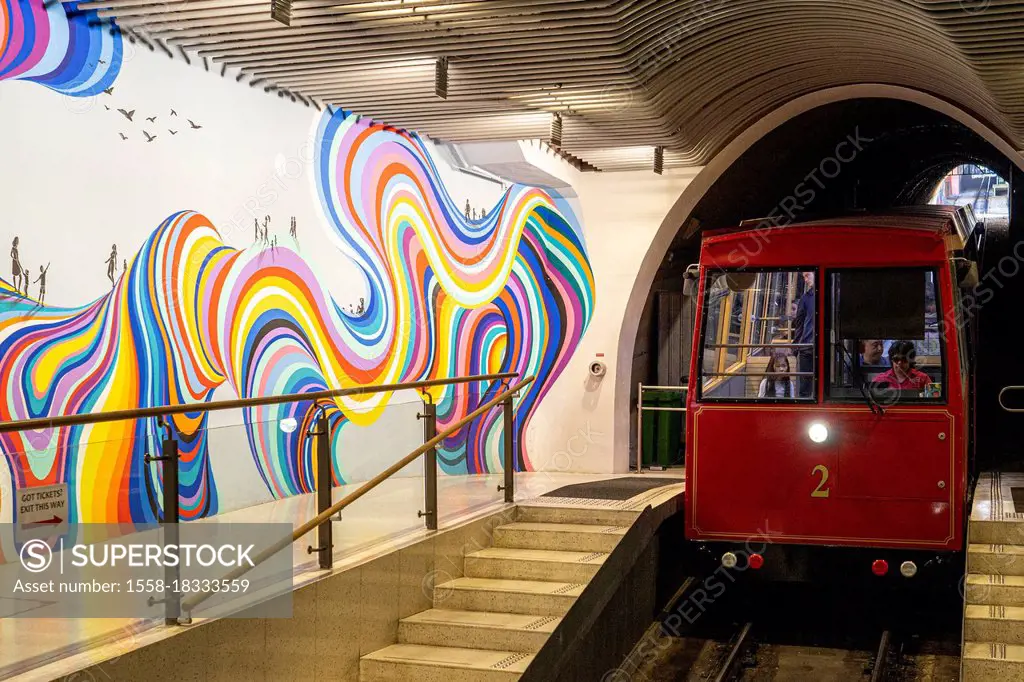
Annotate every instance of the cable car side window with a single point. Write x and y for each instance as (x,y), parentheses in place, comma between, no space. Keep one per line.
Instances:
(757,340)
(885,345)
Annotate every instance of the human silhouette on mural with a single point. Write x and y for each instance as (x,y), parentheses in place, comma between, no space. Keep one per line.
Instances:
(27,278)
(266,230)
(362,306)
(42,282)
(112,264)
(15,265)
(474,214)
(467,209)
(483,213)
(256,227)
(125,269)
(292,230)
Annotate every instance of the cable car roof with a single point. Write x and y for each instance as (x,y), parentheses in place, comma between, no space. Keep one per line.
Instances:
(956,223)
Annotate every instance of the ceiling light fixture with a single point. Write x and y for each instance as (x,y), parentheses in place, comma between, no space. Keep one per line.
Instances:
(556,130)
(281,11)
(441,77)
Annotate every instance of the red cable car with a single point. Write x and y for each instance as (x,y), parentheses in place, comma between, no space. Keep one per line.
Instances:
(829,400)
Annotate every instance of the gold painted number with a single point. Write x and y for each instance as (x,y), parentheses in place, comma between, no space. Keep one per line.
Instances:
(821,490)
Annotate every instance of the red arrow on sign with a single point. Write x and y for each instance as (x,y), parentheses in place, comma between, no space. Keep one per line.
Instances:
(53,521)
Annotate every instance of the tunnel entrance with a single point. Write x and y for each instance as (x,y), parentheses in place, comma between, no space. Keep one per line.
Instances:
(857,155)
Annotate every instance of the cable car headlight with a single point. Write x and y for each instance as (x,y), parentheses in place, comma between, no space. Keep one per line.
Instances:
(288,424)
(818,432)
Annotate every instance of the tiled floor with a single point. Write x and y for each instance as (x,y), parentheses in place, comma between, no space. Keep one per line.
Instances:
(374,525)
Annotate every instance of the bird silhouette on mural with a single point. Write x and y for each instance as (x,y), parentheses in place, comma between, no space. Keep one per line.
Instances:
(41,281)
(172,132)
(123,136)
(173,112)
(112,264)
(149,138)
(109,91)
(16,264)
(194,125)
(127,114)
(106,107)
(151,119)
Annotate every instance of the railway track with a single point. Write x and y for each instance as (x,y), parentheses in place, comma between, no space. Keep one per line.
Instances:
(795,636)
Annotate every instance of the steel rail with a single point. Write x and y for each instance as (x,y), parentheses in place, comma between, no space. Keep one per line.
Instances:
(734,658)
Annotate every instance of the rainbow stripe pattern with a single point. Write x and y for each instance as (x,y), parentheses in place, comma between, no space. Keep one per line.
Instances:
(61,47)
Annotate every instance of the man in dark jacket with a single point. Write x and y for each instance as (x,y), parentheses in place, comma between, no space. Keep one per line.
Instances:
(803,332)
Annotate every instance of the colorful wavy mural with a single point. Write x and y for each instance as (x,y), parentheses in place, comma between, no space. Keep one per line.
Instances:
(192,313)
(446,296)
(58,45)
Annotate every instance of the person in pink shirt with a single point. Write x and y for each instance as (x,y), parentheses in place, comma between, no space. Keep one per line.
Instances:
(902,374)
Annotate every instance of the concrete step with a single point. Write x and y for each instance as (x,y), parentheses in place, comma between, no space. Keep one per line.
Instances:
(995,559)
(477,630)
(572,537)
(402,662)
(991,623)
(999,590)
(996,531)
(507,596)
(534,564)
(987,661)
(538,513)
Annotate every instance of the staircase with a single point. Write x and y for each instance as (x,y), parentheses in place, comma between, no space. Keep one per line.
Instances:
(994,587)
(488,625)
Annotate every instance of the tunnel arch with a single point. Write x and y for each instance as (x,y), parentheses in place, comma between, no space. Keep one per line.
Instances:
(705,181)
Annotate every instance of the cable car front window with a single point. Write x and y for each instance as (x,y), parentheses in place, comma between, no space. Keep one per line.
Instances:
(886,340)
(758,336)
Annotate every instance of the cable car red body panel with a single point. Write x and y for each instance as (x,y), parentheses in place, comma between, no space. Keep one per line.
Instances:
(895,480)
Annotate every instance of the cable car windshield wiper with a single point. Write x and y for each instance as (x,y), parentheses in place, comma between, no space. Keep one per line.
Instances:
(865,392)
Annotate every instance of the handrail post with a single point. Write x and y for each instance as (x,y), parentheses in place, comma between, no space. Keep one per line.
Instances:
(510,454)
(169,459)
(429,417)
(324,484)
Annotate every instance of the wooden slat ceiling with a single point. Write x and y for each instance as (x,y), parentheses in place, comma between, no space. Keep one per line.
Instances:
(626,75)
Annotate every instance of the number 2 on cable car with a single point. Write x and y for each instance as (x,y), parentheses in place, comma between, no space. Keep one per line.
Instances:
(819,492)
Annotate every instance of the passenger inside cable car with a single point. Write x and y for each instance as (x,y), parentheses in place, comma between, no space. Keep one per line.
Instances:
(872,353)
(902,374)
(777,382)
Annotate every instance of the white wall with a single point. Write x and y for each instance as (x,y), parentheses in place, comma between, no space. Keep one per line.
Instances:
(576,429)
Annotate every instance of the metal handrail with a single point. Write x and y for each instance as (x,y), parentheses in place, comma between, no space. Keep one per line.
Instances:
(759,345)
(759,374)
(1003,405)
(324,517)
(146,412)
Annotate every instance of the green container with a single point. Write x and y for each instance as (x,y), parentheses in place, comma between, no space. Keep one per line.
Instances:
(662,430)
